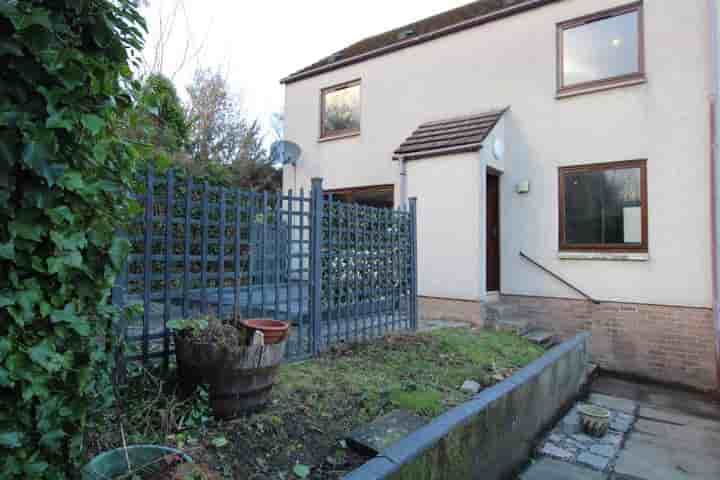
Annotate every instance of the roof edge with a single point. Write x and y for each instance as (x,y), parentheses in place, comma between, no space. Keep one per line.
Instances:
(439,152)
(458,27)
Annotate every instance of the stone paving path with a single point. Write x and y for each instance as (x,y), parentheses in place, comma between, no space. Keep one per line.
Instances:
(567,442)
(655,434)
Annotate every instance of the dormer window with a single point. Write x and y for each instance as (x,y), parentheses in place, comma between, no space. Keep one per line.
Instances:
(340,111)
(601,51)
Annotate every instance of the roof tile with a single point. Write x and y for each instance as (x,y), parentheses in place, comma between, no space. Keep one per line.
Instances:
(450,136)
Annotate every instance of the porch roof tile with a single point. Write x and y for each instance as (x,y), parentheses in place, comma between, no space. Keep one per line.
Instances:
(449,136)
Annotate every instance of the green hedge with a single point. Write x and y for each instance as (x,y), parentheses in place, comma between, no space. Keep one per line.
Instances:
(64,176)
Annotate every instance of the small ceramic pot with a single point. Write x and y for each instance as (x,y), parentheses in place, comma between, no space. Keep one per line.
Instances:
(595,420)
(274,331)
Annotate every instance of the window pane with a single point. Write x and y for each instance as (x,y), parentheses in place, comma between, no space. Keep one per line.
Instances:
(603,207)
(601,49)
(342,110)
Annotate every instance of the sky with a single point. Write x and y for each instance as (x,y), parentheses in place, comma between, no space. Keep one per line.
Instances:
(256,43)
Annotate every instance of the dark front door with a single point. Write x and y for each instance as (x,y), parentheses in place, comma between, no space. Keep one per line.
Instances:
(492,265)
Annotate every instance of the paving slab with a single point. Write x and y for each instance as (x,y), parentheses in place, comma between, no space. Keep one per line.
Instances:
(682,437)
(613,403)
(677,418)
(549,469)
(659,396)
(379,434)
(554,451)
(596,462)
(642,459)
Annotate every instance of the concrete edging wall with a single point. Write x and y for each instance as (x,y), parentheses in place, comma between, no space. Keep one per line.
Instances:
(491,435)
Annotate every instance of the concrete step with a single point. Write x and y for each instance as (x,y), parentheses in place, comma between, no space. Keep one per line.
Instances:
(518,325)
(540,336)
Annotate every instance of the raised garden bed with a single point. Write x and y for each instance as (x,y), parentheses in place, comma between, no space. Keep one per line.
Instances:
(317,403)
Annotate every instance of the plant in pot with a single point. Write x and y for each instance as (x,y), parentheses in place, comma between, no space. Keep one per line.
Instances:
(238,360)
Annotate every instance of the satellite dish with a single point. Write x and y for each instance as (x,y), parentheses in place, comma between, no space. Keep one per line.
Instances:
(285,152)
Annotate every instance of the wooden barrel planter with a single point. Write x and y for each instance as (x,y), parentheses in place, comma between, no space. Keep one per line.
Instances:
(240,377)
(196,363)
(245,381)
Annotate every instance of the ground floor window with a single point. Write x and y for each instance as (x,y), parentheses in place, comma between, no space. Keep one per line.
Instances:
(381,196)
(604,207)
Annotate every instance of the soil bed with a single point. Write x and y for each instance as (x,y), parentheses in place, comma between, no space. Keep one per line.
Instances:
(316,403)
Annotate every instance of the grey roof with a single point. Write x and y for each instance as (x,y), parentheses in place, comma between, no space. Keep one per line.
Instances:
(466,16)
(450,136)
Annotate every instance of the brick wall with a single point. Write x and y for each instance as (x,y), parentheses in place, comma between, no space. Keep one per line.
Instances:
(669,344)
(444,309)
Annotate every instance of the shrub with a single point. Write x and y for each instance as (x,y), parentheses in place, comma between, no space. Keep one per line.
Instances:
(64,177)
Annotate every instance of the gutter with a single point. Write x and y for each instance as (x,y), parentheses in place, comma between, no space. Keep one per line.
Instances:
(714,120)
(458,27)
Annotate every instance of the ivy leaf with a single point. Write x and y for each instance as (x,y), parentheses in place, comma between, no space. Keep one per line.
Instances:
(301,471)
(38,16)
(56,120)
(219,442)
(66,315)
(36,155)
(60,264)
(58,214)
(11,439)
(73,181)
(5,346)
(44,355)
(52,439)
(7,251)
(6,298)
(93,123)
(119,251)
(5,378)
(37,388)
(72,242)
(35,468)
(69,316)
(27,299)
(10,48)
(30,230)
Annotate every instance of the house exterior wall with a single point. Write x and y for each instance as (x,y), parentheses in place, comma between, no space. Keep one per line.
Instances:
(512,62)
(448,193)
(663,120)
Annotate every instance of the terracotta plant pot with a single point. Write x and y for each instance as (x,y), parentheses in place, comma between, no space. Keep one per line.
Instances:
(274,331)
(595,420)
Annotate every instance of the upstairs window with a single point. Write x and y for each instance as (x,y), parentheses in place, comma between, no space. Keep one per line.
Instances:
(601,51)
(340,110)
(604,207)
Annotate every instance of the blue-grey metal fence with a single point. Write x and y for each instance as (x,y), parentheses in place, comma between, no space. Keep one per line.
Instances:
(338,272)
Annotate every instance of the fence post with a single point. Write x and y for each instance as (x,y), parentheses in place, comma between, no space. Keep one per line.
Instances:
(147,261)
(169,253)
(316,234)
(413,265)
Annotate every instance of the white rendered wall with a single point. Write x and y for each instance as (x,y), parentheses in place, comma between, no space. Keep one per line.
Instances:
(448,225)
(512,62)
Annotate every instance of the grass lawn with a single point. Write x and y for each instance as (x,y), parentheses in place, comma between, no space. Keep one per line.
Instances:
(317,402)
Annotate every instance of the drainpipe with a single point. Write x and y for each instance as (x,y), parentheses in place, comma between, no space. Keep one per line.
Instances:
(403,183)
(714,117)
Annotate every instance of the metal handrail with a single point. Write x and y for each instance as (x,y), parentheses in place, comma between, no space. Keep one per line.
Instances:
(558,277)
